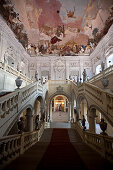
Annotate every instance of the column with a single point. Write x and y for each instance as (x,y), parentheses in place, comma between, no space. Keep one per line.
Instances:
(29,119)
(81,67)
(92,123)
(67,69)
(78,113)
(72,110)
(82,109)
(52,71)
(69,111)
(54,105)
(51,111)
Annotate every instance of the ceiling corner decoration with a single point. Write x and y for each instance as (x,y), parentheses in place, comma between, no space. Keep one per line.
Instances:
(64,27)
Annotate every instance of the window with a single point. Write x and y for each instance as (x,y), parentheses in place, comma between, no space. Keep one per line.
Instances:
(110,60)
(98,69)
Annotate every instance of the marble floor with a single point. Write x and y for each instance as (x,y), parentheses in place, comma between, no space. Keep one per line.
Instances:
(60,116)
(60,125)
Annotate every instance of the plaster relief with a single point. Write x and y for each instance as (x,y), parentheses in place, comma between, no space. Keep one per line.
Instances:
(59,68)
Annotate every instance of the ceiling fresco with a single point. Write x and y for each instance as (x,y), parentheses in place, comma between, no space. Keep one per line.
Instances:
(64,27)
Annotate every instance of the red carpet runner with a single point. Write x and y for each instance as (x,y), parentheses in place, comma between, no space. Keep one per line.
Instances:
(60,153)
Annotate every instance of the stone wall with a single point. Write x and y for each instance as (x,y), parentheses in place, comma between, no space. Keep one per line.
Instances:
(102,50)
(110,86)
(11,50)
(61,68)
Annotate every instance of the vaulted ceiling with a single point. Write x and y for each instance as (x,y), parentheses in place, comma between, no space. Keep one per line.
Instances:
(64,27)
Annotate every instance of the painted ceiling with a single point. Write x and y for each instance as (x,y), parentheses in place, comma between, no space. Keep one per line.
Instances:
(64,27)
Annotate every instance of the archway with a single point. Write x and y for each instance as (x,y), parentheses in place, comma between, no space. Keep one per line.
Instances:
(98,69)
(82,109)
(94,119)
(26,113)
(28,119)
(110,60)
(60,109)
(38,106)
(38,110)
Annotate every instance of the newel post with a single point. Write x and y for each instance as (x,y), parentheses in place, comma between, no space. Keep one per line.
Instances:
(22,143)
(103,147)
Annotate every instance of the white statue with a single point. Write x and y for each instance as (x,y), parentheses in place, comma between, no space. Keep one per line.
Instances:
(6,57)
(36,75)
(84,75)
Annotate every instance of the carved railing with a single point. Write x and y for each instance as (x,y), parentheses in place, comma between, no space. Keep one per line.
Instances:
(101,143)
(11,104)
(14,72)
(106,72)
(98,97)
(59,82)
(14,145)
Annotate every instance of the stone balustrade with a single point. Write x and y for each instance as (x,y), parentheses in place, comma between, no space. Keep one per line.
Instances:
(8,104)
(8,69)
(12,146)
(98,97)
(95,96)
(101,143)
(59,82)
(106,72)
(12,104)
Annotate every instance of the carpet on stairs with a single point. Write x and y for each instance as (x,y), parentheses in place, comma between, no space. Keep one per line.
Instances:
(60,153)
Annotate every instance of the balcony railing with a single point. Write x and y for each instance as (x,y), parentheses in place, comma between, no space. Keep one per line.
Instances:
(106,72)
(13,146)
(14,72)
(101,143)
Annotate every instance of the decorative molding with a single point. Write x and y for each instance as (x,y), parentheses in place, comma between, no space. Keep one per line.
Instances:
(87,64)
(59,88)
(47,64)
(74,64)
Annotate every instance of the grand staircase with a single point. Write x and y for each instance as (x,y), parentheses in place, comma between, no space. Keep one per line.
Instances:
(60,148)
(31,151)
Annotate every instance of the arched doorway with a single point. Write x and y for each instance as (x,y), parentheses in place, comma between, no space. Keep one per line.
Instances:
(28,119)
(82,109)
(38,110)
(60,109)
(38,107)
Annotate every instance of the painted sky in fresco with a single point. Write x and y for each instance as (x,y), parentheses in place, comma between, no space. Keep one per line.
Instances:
(71,22)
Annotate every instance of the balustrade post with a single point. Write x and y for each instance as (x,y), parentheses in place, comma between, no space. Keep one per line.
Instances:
(22,143)
(3,107)
(20,97)
(103,148)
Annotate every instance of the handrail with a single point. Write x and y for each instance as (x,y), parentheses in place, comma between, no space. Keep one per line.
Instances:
(12,103)
(13,146)
(13,71)
(101,143)
(106,72)
(99,97)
